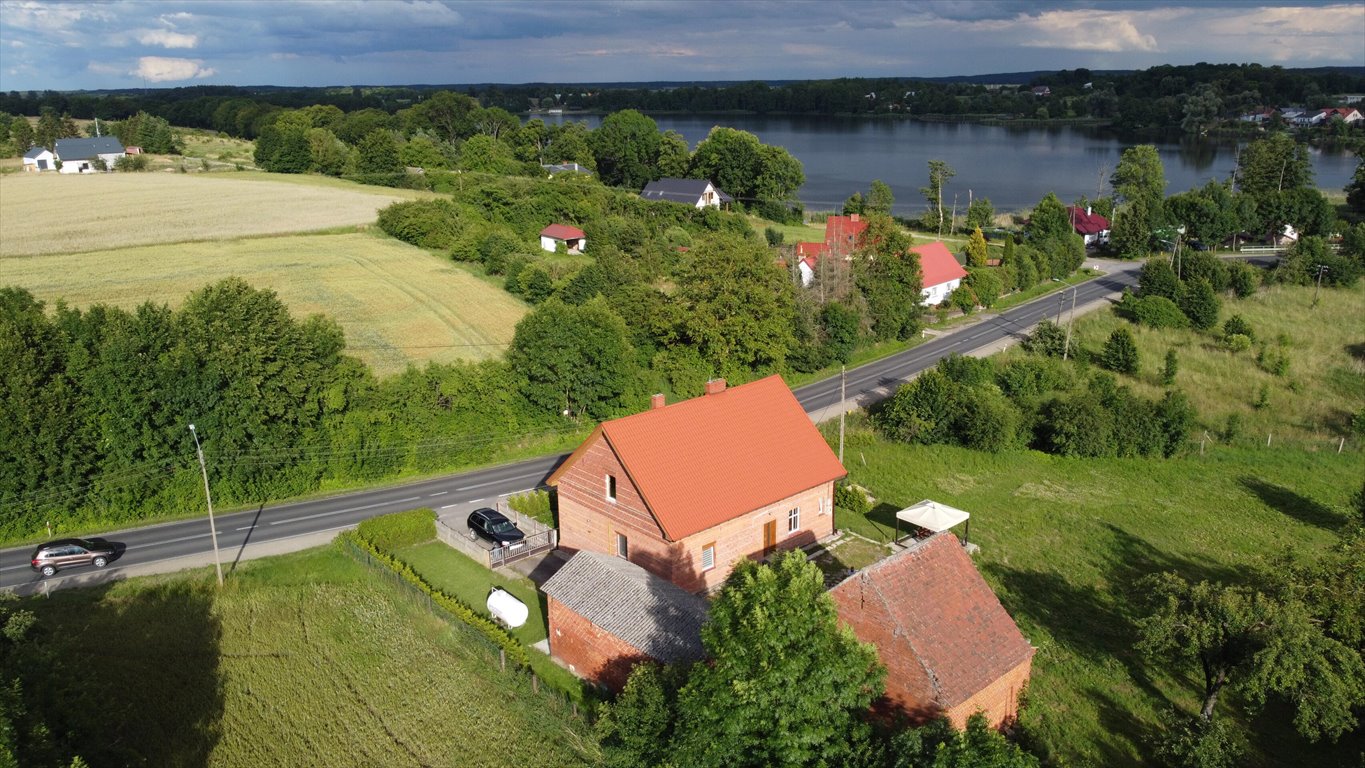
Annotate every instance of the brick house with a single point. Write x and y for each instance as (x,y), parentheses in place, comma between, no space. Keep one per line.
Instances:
(607,614)
(686,490)
(949,647)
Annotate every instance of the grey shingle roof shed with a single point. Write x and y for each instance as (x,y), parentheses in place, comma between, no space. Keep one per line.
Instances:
(84,149)
(653,615)
(687,191)
(34,152)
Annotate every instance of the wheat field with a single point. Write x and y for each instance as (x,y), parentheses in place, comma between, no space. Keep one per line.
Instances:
(55,213)
(396,303)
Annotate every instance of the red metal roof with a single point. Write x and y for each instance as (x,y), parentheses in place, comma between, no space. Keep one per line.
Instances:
(946,617)
(937,264)
(1086,223)
(703,461)
(563,232)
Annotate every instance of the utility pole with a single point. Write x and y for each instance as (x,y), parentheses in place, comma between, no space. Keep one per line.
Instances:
(1321,269)
(843,370)
(213,527)
(1061,304)
(1070,321)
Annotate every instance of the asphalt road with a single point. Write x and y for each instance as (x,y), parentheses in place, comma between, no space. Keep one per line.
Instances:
(298,525)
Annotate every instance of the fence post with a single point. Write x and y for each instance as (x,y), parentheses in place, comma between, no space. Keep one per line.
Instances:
(535,683)
(1341,445)
(502,659)
(1268,435)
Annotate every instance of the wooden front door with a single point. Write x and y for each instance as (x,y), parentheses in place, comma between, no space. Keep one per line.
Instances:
(769,537)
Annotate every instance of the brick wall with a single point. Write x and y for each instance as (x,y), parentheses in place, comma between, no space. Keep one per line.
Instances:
(591,652)
(999,700)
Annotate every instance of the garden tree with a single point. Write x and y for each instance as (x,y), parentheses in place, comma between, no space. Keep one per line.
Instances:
(1274,164)
(784,681)
(1120,352)
(940,745)
(326,154)
(574,359)
(1211,213)
(569,143)
(447,115)
(1200,304)
(1170,368)
(781,175)
(976,249)
(939,174)
(1131,236)
(626,149)
(731,159)
(854,204)
(841,326)
(921,411)
(494,122)
(1355,188)
(481,153)
(737,307)
(1158,279)
(674,156)
(980,213)
(422,152)
(636,729)
(1140,176)
(529,141)
(880,198)
(1049,221)
(985,283)
(21,134)
(377,152)
(888,275)
(964,298)
(1263,645)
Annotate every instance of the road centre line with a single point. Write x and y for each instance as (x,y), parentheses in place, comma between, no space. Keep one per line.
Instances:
(344,511)
(438,493)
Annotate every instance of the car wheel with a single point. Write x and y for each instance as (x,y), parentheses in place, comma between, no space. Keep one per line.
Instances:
(48,570)
(100,561)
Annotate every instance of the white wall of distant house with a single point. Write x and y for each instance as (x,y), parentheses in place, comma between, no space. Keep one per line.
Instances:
(935,294)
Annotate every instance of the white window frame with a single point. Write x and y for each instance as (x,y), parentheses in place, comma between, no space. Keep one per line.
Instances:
(622,546)
(611,487)
(793,520)
(711,550)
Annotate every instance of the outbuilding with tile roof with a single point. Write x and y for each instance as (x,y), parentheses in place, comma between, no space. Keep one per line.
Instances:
(685,490)
(949,647)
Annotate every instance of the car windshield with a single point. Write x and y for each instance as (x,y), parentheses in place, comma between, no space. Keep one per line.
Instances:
(501,526)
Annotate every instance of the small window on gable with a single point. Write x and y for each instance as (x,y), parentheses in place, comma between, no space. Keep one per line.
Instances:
(611,487)
(622,546)
(793,520)
(708,556)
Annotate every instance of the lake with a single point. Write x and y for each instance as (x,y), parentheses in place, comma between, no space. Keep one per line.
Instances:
(1013,167)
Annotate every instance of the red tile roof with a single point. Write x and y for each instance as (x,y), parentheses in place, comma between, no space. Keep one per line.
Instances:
(703,461)
(812,250)
(1086,223)
(563,232)
(937,264)
(842,232)
(946,619)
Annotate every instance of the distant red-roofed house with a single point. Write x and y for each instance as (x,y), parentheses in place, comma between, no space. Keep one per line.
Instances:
(573,238)
(949,647)
(1088,224)
(842,233)
(942,273)
(1348,114)
(807,256)
(686,490)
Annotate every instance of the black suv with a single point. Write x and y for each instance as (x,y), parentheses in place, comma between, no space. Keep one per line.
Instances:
(494,526)
(53,556)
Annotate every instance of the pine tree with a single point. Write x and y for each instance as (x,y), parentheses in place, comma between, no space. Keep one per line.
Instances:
(1120,352)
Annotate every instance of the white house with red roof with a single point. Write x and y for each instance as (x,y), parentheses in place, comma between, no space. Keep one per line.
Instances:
(841,240)
(1349,115)
(573,238)
(1091,226)
(942,274)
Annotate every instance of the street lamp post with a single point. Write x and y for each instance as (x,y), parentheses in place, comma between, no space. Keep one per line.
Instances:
(213,527)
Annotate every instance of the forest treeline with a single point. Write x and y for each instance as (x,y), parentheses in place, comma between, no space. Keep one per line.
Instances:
(1164,97)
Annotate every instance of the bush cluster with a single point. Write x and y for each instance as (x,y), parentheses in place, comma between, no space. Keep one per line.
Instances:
(400,529)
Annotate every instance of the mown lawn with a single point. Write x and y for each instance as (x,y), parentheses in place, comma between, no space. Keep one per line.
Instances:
(302,660)
(397,304)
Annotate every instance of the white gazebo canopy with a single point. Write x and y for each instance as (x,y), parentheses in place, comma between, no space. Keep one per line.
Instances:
(931,516)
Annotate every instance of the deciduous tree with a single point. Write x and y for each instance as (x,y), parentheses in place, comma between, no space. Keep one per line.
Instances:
(626,149)
(574,359)
(939,174)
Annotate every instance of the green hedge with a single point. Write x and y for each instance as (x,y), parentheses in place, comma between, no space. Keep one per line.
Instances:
(516,653)
(400,529)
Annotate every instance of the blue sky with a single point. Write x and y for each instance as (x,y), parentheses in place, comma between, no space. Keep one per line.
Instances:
(133,43)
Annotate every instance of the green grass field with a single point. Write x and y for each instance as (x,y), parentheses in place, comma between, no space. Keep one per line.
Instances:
(397,304)
(302,660)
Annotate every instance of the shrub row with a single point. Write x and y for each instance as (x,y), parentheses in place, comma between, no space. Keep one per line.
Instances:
(400,529)
(516,653)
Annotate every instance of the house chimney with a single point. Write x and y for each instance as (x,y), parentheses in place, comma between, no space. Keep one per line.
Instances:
(853,217)
(656,402)
(1088,209)
(715,386)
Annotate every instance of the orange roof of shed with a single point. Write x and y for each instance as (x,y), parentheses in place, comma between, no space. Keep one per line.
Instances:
(703,461)
(563,232)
